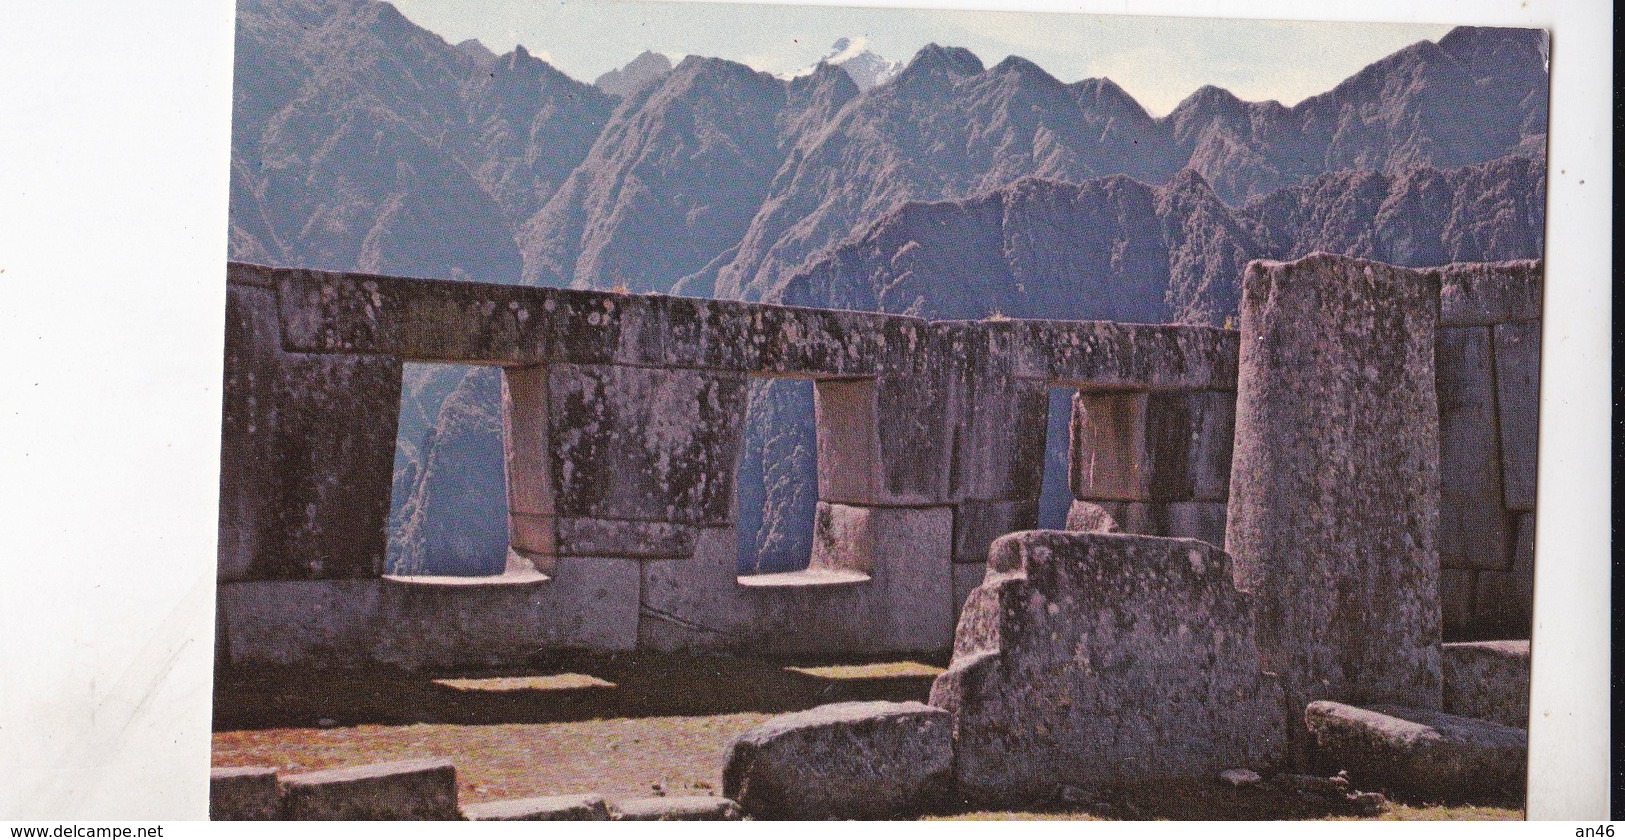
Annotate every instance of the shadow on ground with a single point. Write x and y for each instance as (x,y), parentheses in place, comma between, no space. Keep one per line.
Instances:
(570,687)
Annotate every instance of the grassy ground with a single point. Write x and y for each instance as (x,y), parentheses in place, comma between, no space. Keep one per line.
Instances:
(631,725)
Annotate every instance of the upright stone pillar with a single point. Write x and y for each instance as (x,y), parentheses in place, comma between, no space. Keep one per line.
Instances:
(1334,495)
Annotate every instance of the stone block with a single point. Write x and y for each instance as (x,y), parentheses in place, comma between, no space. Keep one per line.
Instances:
(1108,446)
(1103,354)
(309,623)
(244,793)
(999,440)
(399,790)
(1420,754)
(1090,516)
(1517,382)
(1093,660)
(831,343)
(855,761)
(1337,436)
(1488,681)
(978,524)
(415,623)
(1503,604)
(645,444)
(1472,531)
(527,441)
(967,576)
(915,428)
(249,518)
(1197,520)
(902,605)
(577,806)
(1481,294)
(582,537)
(1456,590)
(705,808)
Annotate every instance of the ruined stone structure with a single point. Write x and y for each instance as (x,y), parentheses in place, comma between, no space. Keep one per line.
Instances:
(1362,443)
(623,417)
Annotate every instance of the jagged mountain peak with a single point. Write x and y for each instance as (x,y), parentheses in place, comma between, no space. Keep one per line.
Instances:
(934,59)
(640,71)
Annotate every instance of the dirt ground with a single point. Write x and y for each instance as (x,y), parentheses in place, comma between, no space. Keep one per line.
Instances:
(633,725)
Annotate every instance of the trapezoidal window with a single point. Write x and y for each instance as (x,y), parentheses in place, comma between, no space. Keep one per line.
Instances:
(777,483)
(448,511)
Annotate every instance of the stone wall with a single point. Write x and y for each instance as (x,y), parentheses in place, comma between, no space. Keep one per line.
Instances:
(1159,463)
(623,417)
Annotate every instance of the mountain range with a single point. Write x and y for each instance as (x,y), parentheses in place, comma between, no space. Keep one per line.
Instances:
(949,189)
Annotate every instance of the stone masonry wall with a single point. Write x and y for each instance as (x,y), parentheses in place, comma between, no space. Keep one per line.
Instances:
(1159,463)
(623,416)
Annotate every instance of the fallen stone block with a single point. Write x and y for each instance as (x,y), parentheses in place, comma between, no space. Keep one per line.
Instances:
(1240,777)
(576,806)
(243,793)
(1488,681)
(713,808)
(864,760)
(1421,754)
(425,789)
(1094,660)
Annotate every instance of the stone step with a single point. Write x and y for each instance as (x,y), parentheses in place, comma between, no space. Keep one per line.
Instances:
(713,808)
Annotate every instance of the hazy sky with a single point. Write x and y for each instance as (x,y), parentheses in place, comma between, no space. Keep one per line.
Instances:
(1158,60)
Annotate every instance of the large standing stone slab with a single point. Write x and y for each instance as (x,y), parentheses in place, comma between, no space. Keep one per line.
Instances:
(244,793)
(398,790)
(1517,381)
(1472,529)
(1090,660)
(1334,495)
(864,760)
(1422,754)
(1107,448)
(1503,601)
(1488,680)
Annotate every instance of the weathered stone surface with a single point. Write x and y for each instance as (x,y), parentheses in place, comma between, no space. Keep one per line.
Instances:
(644,444)
(1334,496)
(1472,528)
(1000,442)
(583,537)
(1103,354)
(1503,604)
(249,515)
(1422,754)
(589,603)
(967,576)
(978,524)
(527,452)
(712,808)
(399,790)
(1517,382)
(1098,659)
(864,760)
(1108,446)
(1456,590)
(1488,681)
(1480,294)
(579,806)
(883,441)
(1197,520)
(904,606)
(482,323)
(244,793)
(1089,516)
